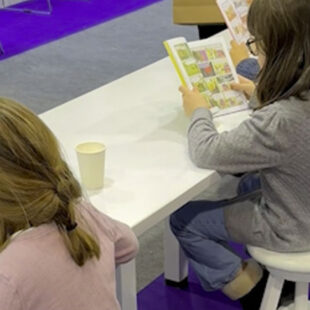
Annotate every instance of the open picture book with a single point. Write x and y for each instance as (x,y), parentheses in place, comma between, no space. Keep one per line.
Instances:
(206,64)
(235,15)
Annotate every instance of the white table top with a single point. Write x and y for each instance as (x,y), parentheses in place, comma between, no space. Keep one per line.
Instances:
(141,121)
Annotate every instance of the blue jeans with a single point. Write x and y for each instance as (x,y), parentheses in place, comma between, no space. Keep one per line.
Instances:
(200,229)
(248,68)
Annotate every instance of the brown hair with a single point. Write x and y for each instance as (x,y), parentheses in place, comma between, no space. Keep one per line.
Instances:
(281,29)
(36,185)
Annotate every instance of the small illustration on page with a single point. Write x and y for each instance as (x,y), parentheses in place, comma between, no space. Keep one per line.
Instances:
(235,15)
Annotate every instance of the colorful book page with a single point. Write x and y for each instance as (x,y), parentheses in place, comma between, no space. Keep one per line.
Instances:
(216,76)
(206,64)
(235,15)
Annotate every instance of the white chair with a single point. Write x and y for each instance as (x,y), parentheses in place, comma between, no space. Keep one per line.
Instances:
(284,266)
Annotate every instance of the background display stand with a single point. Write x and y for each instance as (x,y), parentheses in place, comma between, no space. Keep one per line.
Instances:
(28,10)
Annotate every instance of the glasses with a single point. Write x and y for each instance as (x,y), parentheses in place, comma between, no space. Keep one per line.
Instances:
(250,44)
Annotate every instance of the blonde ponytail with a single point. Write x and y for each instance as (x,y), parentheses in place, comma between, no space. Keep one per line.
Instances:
(36,185)
(80,244)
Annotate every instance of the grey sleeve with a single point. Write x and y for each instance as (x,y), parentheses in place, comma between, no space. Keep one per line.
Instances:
(253,101)
(260,142)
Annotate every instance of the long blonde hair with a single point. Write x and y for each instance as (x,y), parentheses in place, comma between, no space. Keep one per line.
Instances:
(36,185)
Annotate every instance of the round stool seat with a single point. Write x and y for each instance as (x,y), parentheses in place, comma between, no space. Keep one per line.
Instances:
(292,307)
(293,262)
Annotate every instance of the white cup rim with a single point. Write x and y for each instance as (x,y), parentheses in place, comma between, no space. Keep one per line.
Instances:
(80,148)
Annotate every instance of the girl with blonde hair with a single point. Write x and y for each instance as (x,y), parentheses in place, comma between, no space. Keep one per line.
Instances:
(56,250)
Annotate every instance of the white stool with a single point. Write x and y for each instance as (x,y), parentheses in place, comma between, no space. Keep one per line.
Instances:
(284,266)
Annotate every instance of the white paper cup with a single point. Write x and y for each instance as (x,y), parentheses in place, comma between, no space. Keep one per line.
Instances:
(91,158)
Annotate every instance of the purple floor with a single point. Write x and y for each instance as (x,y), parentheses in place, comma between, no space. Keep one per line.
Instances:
(21,31)
(158,296)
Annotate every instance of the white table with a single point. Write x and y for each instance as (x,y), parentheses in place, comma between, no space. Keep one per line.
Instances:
(148,172)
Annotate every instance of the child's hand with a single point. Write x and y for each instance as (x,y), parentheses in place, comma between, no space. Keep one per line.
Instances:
(245,85)
(192,100)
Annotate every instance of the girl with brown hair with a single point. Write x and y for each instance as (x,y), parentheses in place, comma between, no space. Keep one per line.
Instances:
(56,250)
(270,207)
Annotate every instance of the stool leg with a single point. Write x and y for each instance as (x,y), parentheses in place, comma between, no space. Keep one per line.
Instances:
(272,293)
(301,296)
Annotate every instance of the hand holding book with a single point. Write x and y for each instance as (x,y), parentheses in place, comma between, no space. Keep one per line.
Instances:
(238,52)
(192,100)
(245,85)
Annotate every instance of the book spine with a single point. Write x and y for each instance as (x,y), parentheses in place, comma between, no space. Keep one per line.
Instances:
(175,64)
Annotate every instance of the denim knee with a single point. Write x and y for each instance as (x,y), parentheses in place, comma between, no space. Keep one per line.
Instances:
(175,224)
(180,219)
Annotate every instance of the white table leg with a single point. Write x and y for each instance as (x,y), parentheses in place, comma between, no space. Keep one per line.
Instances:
(126,288)
(175,261)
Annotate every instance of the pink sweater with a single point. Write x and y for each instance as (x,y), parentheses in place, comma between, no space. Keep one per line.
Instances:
(37,272)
